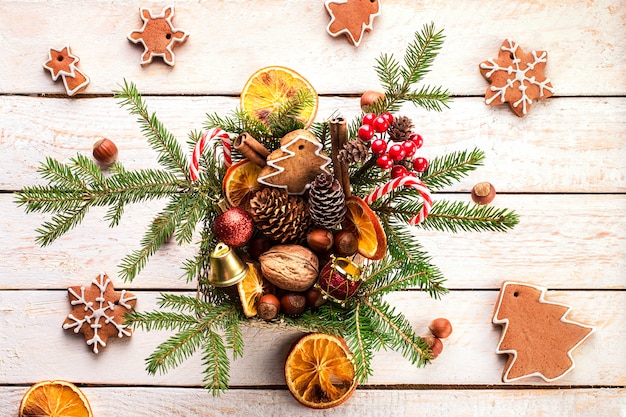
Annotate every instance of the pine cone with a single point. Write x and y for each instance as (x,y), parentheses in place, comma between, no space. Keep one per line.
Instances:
(400,129)
(353,152)
(279,216)
(327,201)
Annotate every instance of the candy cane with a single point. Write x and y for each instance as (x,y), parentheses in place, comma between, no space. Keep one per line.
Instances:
(215,133)
(407,181)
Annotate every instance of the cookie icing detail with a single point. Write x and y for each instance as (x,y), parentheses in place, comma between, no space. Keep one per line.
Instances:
(158,35)
(516,77)
(525,358)
(100,312)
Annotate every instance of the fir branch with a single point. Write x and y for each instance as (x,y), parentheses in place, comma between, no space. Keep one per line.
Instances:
(465,216)
(232,333)
(287,117)
(398,80)
(176,349)
(181,303)
(60,224)
(408,265)
(158,233)
(238,122)
(160,320)
(170,154)
(216,364)
(445,170)
(397,331)
(358,335)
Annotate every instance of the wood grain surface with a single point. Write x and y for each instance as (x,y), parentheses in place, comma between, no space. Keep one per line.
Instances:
(562,169)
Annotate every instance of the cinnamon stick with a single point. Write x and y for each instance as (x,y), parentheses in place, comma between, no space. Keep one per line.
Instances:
(338,138)
(251,149)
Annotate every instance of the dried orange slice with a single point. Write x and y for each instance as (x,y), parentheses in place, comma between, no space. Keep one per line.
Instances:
(319,371)
(271,87)
(240,183)
(251,289)
(54,399)
(372,241)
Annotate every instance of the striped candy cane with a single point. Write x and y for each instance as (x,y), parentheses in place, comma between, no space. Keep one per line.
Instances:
(407,181)
(215,133)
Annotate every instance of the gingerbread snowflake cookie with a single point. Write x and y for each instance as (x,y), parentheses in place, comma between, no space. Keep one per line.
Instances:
(351,18)
(516,78)
(62,63)
(536,334)
(98,312)
(158,35)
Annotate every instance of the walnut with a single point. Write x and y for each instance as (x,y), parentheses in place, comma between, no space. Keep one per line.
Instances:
(290,267)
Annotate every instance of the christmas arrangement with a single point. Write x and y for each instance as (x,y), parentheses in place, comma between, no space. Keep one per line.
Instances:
(299,225)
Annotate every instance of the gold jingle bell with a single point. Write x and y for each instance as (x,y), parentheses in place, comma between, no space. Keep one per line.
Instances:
(226,267)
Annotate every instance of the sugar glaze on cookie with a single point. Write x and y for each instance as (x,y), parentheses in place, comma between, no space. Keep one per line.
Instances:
(536,334)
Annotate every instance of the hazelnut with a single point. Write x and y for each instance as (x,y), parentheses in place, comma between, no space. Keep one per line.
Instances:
(440,328)
(483,193)
(370,97)
(435,345)
(105,151)
(320,240)
(314,297)
(346,243)
(293,303)
(268,307)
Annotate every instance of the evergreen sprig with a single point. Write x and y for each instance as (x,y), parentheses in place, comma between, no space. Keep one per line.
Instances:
(399,79)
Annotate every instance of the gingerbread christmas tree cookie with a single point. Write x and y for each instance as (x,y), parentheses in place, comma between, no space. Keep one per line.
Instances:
(536,334)
(98,312)
(158,35)
(62,63)
(351,18)
(296,163)
(516,78)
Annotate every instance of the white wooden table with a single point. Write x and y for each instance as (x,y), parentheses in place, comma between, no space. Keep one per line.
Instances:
(562,168)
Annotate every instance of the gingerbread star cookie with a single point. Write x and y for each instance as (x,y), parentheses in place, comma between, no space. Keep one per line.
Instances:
(516,78)
(98,312)
(62,63)
(351,18)
(536,334)
(296,163)
(158,35)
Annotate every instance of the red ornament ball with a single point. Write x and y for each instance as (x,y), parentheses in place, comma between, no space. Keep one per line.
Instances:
(366,133)
(234,227)
(379,146)
(420,164)
(339,280)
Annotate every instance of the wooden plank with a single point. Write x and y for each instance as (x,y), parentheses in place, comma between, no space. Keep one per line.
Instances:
(34,347)
(566,145)
(224,49)
(562,241)
(190,402)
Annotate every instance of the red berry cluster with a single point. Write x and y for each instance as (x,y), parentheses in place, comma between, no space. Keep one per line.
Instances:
(397,156)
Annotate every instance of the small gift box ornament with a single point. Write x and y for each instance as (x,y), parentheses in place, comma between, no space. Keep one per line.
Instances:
(339,280)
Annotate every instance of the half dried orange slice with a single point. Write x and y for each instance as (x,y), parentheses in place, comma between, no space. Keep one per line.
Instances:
(372,241)
(251,289)
(270,88)
(54,399)
(319,371)
(240,183)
